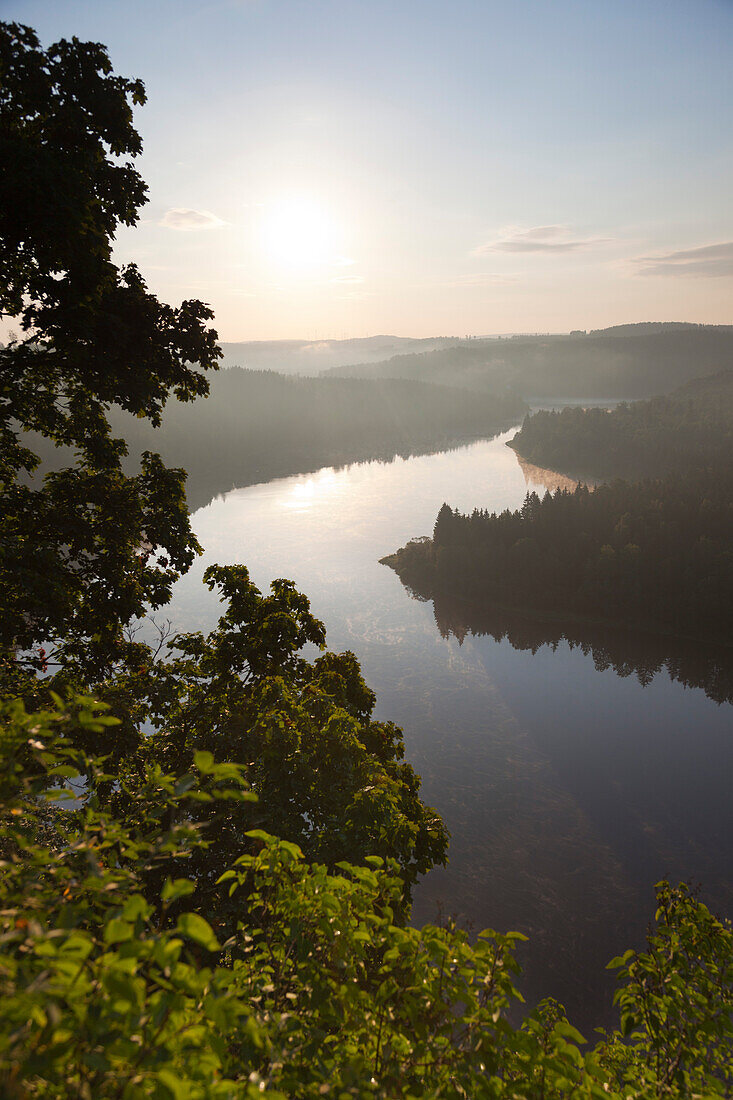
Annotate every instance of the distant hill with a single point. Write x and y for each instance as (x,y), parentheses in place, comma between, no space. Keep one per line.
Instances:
(647,327)
(313,356)
(629,361)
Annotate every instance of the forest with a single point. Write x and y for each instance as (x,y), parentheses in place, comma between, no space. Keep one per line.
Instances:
(654,555)
(690,429)
(208,844)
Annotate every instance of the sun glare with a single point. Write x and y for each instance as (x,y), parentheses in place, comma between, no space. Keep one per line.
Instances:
(299,234)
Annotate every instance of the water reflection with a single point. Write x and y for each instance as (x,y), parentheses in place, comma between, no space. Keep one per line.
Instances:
(627,652)
(310,492)
(548,479)
(571,798)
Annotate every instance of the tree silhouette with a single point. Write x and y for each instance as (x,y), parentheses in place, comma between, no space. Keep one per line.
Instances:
(86,549)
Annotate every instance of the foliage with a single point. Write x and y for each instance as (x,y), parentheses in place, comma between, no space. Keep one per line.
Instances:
(87,548)
(328,776)
(676,1004)
(317,992)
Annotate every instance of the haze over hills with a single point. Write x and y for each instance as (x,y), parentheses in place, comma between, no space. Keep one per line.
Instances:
(312,356)
(628,361)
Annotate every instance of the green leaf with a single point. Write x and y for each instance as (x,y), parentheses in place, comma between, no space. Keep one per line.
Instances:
(620,960)
(135,906)
(177,888)
(177,1089)
(204,761)
(184,784)
(260,834)
(562,1027)
(117,931)
(197,929)
(628,1023)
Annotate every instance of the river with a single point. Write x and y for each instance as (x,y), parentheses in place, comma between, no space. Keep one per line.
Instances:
(571,777)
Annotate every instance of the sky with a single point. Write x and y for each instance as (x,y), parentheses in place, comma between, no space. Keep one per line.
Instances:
(322,169)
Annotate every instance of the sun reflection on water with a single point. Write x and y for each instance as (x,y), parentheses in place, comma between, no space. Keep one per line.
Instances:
(304,495)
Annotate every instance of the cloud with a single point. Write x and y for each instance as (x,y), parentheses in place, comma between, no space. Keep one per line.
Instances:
(708,261)
(343,261)
(539,238)
(347,280)
(188,220)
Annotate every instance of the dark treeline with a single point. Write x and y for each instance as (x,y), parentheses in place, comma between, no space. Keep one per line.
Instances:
(632,361)
(259,425)
(654,555)
(666,436)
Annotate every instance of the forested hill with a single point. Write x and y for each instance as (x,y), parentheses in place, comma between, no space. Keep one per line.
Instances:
(257,425)
(631,361)
(666,436)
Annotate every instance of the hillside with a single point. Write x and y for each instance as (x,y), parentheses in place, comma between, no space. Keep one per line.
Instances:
(665,436)
(629,361)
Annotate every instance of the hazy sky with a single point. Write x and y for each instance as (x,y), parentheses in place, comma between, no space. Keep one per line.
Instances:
(329,168)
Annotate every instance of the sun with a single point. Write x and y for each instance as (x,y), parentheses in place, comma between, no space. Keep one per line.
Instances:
(299,234)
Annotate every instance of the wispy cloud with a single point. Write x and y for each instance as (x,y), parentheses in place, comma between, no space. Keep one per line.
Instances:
(343,261)
(190,220)
(538,238)
(347,280)
(708,261)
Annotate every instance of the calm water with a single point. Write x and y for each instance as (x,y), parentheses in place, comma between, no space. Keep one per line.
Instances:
(568,789)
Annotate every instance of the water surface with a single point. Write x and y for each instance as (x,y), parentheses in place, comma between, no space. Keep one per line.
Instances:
(569,785)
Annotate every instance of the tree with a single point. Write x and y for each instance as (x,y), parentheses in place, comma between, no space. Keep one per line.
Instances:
(328,777)
(444,526)
(87,548)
